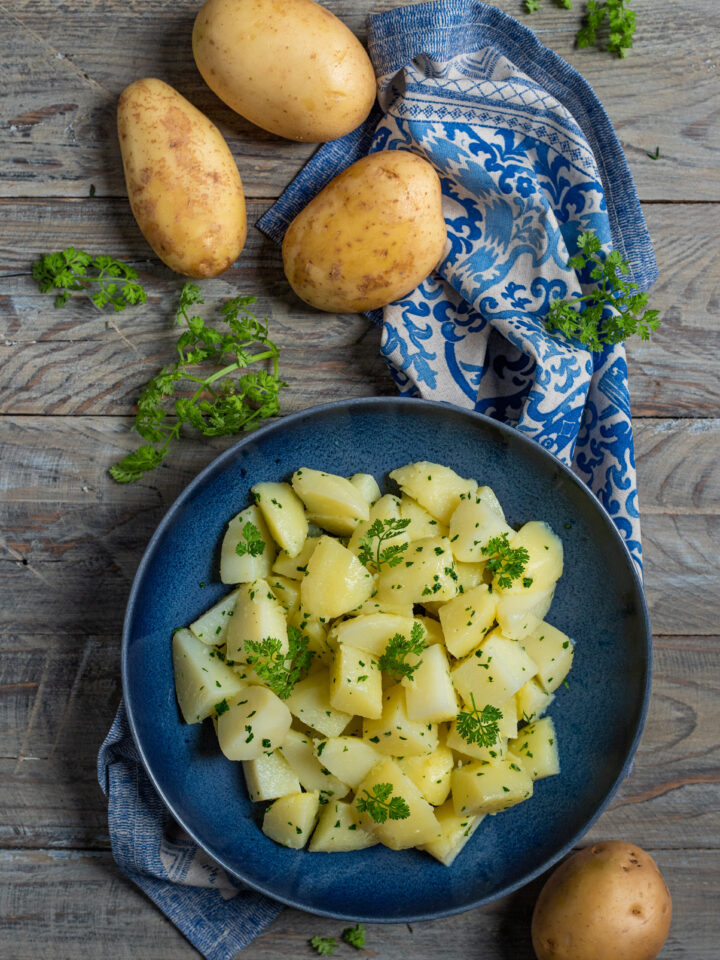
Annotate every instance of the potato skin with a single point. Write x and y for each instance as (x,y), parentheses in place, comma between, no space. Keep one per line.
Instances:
(183,185)
(289,66)
(369,237)
(607,902)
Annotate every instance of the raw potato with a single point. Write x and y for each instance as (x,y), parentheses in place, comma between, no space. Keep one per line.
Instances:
(184,188)
(607,902)
(369,237)
(289,66)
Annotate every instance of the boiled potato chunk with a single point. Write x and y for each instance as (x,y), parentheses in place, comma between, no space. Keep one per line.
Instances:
(335,581)
(244,567)
(429,693)
(371,632)
(299,751)
(269,777)
(350,759)
(456,831)
(426,573)
(536,747)
(310,703)
(473,524)
(210,626)
(255,722)
(507,727)
(480,787)
(519,614)
(284,515)
(420,827)
(338,832)
(317,636)
(422,524)
(287,592)
(545,564)
(552,650)
(392,606)
(257,616)
(295,568)
(470,575)
(430,774)
(356,683)
(367,485)
(436,488)
(493,672)
(291,819)
(466,619)
(202,680)
(395,734)
(532,701)
(386,508)
(329,495)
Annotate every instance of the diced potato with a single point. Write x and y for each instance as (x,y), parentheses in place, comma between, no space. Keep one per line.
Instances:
(536,748)
(284,515)
(366,484)
(202,679)
(433,630)
(287,592)
(335,581)
(299,751)
(310,703)
(255,722)
(532,701)
(467,618)
(489,498)
(493,672)
(430,774)
(395,734)
(371,632)
(330,496)
(317,635)
(489,787)
(386,508)
(553,651)
(348,758)
(456,831)
(295,568)
(545,565)
(419,827)
(373,605)
(426,573)
(210,626)
(435,487)
(507,727)
(338,832)
(269,777)
(257,615)
(339,526)
(291,820)
(520,614)
(469,575)
(356,683)
(473,524)
(236,568)
(422,524)
(429,693)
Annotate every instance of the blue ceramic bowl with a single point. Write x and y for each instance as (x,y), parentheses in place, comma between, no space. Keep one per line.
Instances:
(599,602)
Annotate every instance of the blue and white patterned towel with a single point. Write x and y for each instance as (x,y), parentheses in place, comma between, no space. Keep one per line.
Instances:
(528,160)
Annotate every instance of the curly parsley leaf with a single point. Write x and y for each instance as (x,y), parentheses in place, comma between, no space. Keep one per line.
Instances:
(325,946)
(75,271)
(532,5)
(252,542)
(355,936)
(479,726)
(381,805)
(372,552)
(506,563)
(398,649)
(222,403)
(280,671)
(612,18)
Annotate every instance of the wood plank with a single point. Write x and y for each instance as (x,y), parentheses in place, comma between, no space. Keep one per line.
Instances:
(67,65)
(77,361)
(44,910)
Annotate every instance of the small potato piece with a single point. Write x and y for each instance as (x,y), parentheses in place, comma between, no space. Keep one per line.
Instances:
(422,524)
(286,591)
(507,727)
(295,568)
(330,495)
(201,678)
(430,774)
(183,185)
(545,564)
(284,515)
(429,693)
(338,832)
(258,614)
(369,237)
(520,614)
(436,488)
(255,722)
(466,619)
(236,568)
(372,605)
(489,787)
(420,827)
(607,902)
(395,734)
(210,626)
(356,683)
(456,831)
(537,749)
(291,820)
(426,573)
(350,759)
(470,575)
(473,524)
(371,632)
(335,581)
(269,777)
(310,703)
(493,672)
(552,650)
(532,701)
(299,751)
(367,485)
(386,508)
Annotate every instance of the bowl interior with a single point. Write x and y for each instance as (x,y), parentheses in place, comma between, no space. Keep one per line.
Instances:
(598,602)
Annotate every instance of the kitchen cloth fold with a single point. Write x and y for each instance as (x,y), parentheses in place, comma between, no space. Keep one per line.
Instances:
(528,159)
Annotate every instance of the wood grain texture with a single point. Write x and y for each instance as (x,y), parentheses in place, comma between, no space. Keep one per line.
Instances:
(69,63)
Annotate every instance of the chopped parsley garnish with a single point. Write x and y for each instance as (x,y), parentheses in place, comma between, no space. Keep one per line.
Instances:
(371,545)
(355,936)
(221,707)
(398,648)
(252,542)
(506,563)
(381,805)
(479,726)
(280,671)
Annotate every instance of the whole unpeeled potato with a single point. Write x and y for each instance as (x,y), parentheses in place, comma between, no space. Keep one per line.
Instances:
(607,902)
(369,237)
(184,187)
(289,66)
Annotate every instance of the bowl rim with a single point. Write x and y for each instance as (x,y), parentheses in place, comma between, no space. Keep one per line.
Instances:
(289,421)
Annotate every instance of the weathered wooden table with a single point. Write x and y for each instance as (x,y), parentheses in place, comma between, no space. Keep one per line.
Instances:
(71,538)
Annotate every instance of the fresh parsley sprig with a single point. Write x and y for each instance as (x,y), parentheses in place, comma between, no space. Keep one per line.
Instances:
(325,946)
(279,670)
(371,551)
(221,404)
(398,648)
(479,726)
(613,310)
(505,562)
(73,271)
(252,542)
(355,936)
(381,805)
(608,23)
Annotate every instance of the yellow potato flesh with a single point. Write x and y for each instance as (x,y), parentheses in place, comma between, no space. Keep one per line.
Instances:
(184,188)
